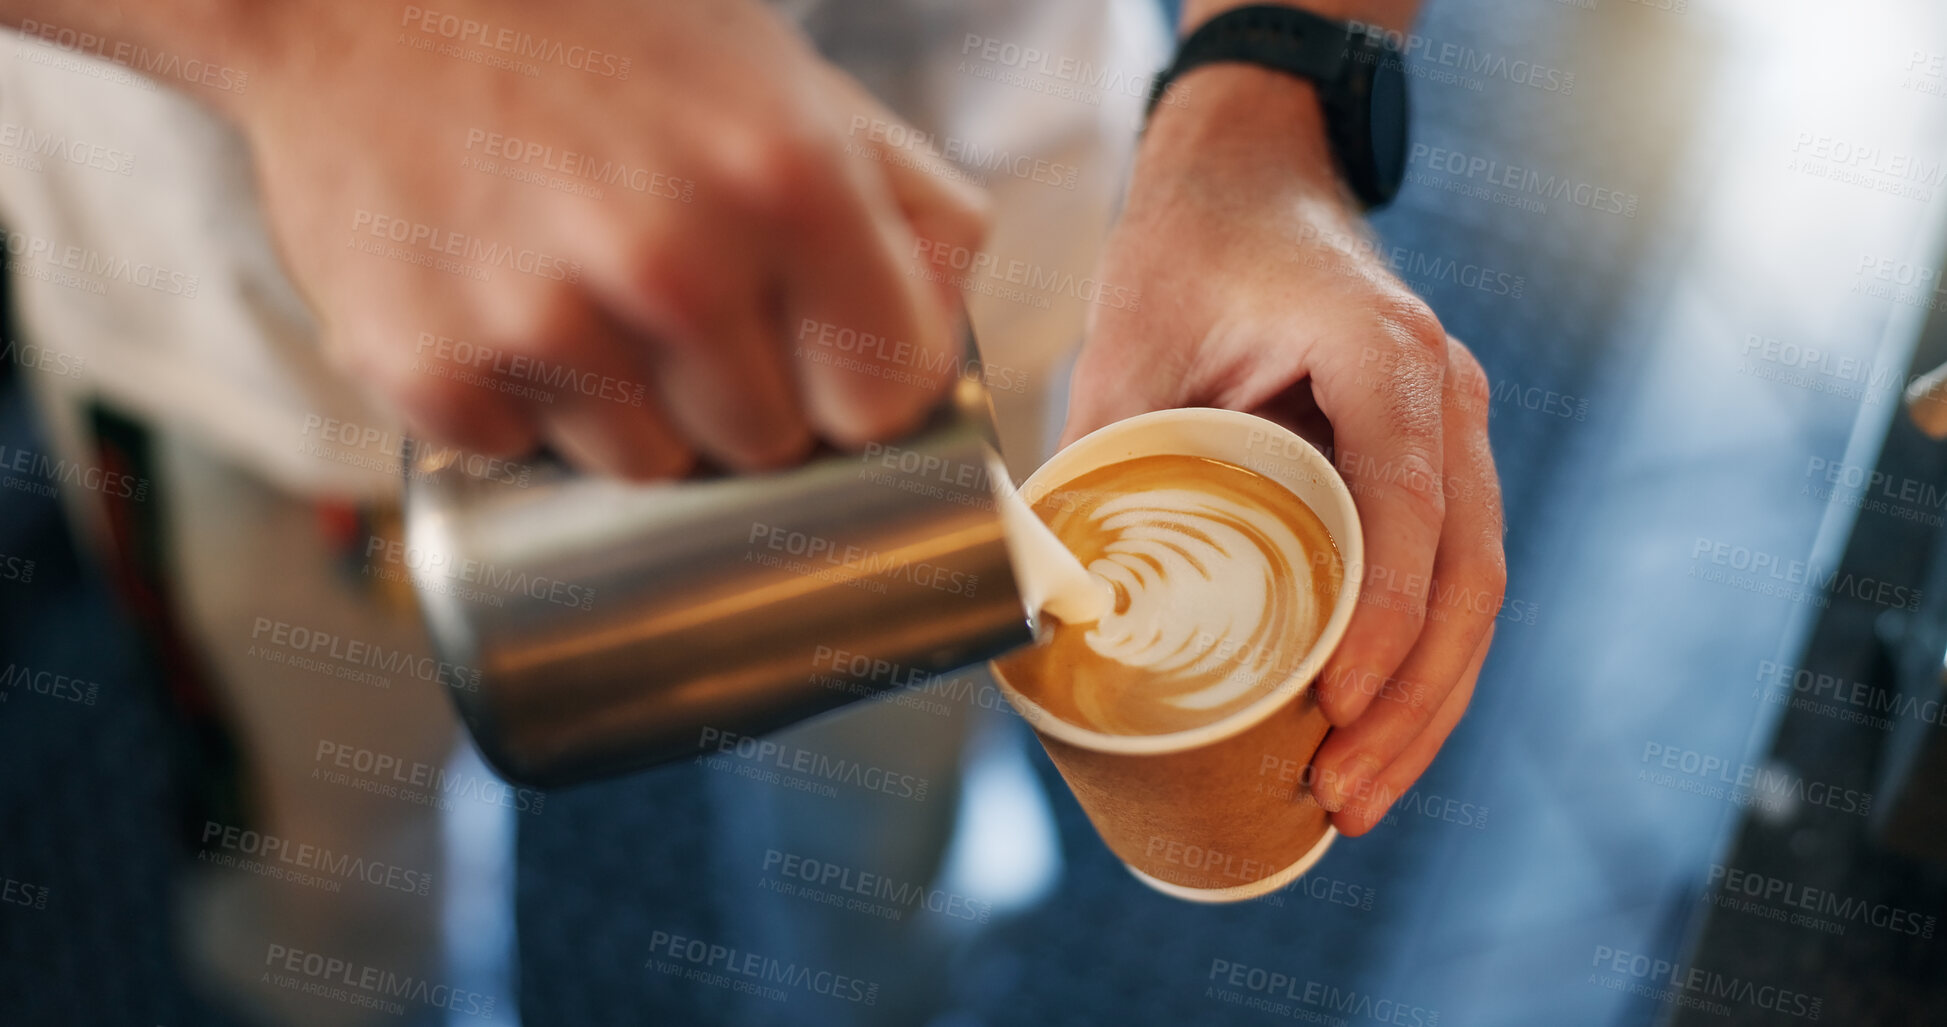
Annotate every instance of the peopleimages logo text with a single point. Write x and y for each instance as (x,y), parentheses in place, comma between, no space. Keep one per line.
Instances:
(797,760)
(327,972)
(859,563)
(1302,999)
(154,63)
(356,652)
(1518,179)
(1694,982)
(436,241)
(106,267)
(759,968)
(317,859)
(514,42)
(1797,579)
(1759,782)
(1820,901)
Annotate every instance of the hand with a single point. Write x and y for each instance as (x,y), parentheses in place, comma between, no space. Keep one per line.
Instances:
(1259,293)
(431,209)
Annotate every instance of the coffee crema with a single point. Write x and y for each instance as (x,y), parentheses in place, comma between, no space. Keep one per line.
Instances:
(1223,581)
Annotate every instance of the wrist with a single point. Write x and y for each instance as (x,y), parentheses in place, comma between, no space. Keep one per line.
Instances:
(1242,116)
(1326,95)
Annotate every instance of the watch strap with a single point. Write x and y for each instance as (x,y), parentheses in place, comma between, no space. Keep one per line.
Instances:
(1286,39)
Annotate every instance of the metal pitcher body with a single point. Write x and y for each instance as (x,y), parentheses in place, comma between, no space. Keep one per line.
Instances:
(611,626)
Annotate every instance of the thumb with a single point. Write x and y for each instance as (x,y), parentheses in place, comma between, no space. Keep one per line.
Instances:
(1111,383)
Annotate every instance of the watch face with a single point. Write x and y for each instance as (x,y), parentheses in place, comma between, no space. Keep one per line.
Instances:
(1388,114)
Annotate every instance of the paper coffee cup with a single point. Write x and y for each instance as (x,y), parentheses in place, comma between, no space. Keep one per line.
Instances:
(1216,813)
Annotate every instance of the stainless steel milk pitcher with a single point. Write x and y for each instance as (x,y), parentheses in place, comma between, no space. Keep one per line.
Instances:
(602,626)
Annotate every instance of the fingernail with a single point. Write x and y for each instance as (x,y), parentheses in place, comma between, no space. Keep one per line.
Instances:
(1335,697)
(1335,787)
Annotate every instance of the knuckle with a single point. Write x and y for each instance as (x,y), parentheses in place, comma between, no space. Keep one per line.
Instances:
(773,450)
(670,282)
(1410,407)
(862,423)
(1343,770)
(771,434)
(1413,621)
(1412,486)
(542,321)
(1415,477)
(1468,377)
(1399,611)
(669,460)
(776,173)
(438,403)
(1492,573)
(1416,374)
(443,414)
(1412,322)
(1497,517)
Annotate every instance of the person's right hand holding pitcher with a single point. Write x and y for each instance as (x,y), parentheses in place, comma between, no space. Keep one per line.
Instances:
(1259,294)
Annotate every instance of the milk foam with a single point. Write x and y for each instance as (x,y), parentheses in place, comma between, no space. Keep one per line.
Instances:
(1217,583)
(1197,600)
(1050,578)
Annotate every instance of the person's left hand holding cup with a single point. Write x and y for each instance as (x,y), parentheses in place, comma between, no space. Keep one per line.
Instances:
(438,213)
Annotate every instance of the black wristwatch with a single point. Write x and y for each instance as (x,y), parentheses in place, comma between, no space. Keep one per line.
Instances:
(1359,74)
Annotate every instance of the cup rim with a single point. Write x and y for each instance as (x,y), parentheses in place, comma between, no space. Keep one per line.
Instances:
(1351,551)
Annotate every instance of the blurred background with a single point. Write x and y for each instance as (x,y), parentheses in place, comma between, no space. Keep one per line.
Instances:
(1701,778)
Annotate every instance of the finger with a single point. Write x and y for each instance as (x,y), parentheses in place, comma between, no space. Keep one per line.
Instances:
(1469,579)
(571,365)
(946,216)
(735,398)
(937,205)
(940,214)
(1105,388)
(432,393)
(585,435)
(692,290)
(763,423)
(938,199)
(1362,814)
(609,420)
(1355,759)
(876,345)
(1390,445)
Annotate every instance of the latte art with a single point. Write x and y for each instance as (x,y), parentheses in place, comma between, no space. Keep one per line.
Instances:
(1191,571)
(1222,582)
